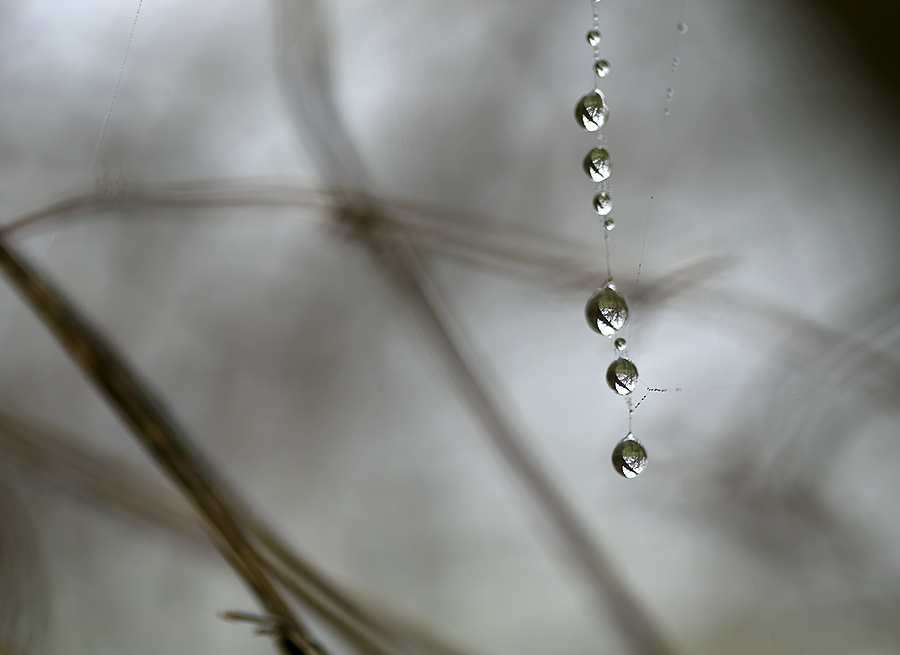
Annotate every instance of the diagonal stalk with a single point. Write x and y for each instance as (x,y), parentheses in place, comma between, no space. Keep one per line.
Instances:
(574,539)
(158,432)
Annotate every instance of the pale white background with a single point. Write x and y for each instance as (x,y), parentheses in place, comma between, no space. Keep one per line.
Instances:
(297,370)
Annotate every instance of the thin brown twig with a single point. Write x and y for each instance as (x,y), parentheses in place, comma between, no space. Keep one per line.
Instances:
(156,430)
(580,548)
(66,462)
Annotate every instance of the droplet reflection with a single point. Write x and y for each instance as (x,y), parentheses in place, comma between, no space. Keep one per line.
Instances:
(629,457)
(606,310)
(597,165)
(602,203)
(591,111)
(622,376)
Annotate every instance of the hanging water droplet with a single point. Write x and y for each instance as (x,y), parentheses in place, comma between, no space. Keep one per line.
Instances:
(597,165)
(629,457)
(666,111)
(622,376)
(675,62)
(602,203)
(606,310)
(669,93)
(609,224)
(620,344)
(591,111)
(601,68)
(682,27)
(593,38)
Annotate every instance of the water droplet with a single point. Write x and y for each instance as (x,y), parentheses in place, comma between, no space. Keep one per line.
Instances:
(606,310)
(669,93)
(591,111)
(620,344)
(682,27)
(597,165)
(601,68)
(593,38)
(629,457)
(622,376)
(602,203)
(609,224)
(666,111)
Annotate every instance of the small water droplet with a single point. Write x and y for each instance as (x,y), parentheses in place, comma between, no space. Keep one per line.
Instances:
(622,376)
(591,111)
(609,224)
(620,344)
(597,165)
(601,68)
(682,27)
(629,457)
(602,203)
(670,92)
(666,111)
(593,38)
(606,310)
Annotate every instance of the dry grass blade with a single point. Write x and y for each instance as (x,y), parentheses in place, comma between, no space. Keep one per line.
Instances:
(23,607)
(65,463)
(575,540)
(536,256)
(158,433)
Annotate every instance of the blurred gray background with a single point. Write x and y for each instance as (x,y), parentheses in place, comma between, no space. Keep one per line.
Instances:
(766,520)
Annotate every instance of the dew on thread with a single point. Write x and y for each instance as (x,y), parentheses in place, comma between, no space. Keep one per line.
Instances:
(591,111)
(601,68)
(606,310)
(629,457)
(602,203)
(593,38)
(622,376)
(597,164)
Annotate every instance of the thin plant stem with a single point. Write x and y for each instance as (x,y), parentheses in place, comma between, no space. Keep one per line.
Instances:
(406,275)
(65,462)
(157,431)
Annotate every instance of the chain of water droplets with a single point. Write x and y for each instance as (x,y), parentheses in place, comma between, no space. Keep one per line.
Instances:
(606,309)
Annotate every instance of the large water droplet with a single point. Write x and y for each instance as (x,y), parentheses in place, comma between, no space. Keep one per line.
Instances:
(591,111)
(597,165)
(622,376)
(593,38)
(606,310)
(601,68)
(602,203)
(682,27)
(629,457)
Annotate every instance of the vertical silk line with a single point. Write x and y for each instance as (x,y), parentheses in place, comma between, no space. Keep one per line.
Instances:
(606,310)
(98,149)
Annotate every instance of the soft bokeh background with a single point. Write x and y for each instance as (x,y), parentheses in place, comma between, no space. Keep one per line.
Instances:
(766,520)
